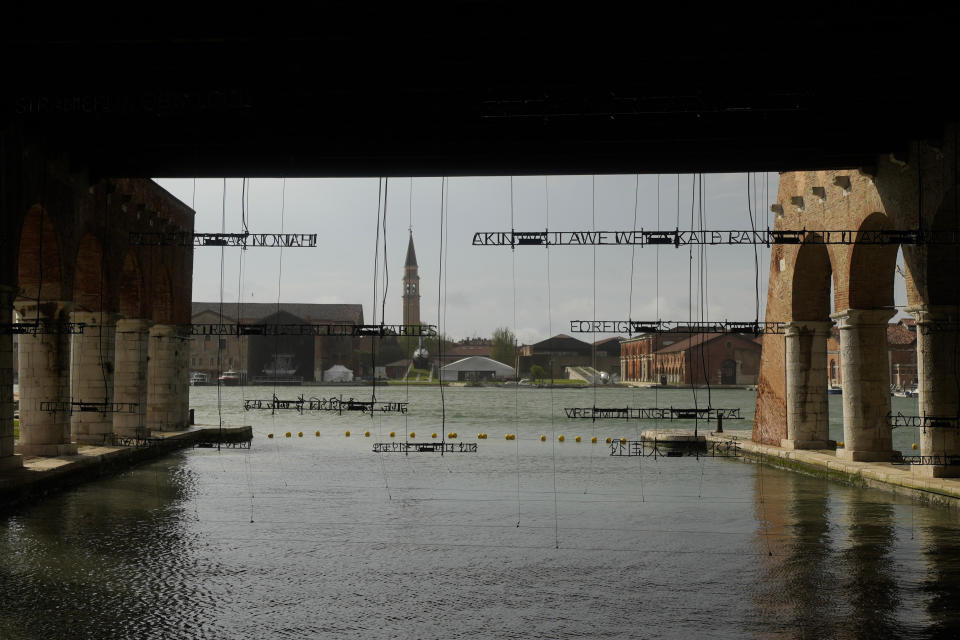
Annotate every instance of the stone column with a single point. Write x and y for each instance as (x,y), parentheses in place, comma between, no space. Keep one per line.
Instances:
(808,419)
(937,382)
(8,460)
(130,376)
(91,375)
(44,370)
(866,384)
(167,379)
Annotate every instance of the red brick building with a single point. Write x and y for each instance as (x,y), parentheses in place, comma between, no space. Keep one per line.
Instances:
(699,359)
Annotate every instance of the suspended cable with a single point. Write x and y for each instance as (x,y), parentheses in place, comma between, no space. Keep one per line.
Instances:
(553,430)
(440,274)
(516,354)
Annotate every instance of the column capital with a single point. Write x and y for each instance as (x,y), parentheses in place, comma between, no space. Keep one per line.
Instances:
(931,313)
(47,308)
(133,325)
(7,295)
(795,327)
(850,318)
(93,318)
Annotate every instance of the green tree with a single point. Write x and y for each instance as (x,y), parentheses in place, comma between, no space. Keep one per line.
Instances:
(537,373)
(504,346)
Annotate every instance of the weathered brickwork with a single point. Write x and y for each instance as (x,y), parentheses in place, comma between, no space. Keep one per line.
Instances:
(905,191)
(68,258)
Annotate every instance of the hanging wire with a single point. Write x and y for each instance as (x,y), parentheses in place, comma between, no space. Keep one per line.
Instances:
(516,356)
(223,229)
(593,346)
(440,276)
(373,342)
(553,429)
(273,413)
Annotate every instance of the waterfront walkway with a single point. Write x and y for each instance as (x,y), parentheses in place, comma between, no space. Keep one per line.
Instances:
(42,475)
(908,480)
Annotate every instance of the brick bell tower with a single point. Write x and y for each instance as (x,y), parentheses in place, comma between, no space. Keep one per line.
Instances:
(411,286)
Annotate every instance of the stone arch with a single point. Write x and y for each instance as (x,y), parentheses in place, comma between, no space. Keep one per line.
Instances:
(40,274)
(942,266)
(90,278)
(810,292)
(130,287)
(162,298)
(872,269)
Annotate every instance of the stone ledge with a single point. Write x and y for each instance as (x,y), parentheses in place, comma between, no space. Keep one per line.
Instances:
(878,475)
(40,476)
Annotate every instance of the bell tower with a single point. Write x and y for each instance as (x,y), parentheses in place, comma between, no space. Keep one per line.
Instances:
(411,286)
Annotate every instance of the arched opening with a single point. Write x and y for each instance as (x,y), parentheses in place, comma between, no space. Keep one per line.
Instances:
(872,269)
(805,350)
(937,339)
(39,257)
(865,306)
(89,281)
(943,260)
(129,298)
(811,290)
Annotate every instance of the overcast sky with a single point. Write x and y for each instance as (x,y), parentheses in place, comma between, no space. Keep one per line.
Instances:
(480,283)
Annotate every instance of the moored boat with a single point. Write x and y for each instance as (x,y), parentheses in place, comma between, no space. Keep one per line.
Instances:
(229,377)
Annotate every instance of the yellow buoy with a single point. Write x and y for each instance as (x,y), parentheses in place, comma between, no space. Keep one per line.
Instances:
(269,435)
(317,434)
(543,438)
(366,434)
(392,434)
(347,434)
(300,434)
(506,437)
(840,444)
(479,436)
(433,435)
(413,434)
(561,438)
(593,439)
(577,438)
(914,445)
(287,434)
(623,441)
(609,440)
(451,435)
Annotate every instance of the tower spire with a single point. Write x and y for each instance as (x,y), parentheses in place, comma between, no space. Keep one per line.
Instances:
(411,286)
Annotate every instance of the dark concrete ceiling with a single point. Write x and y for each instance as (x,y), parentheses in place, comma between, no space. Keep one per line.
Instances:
(486,88)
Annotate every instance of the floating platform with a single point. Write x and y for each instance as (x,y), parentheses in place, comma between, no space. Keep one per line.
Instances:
(425,447)
(675,443)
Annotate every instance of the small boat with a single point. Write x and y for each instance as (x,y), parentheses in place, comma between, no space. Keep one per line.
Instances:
(199,379)
(229,377)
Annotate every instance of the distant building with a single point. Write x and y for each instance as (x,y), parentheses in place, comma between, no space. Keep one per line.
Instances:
(411,286)
(697,358)
(305,357)
(476,368)
(561,351)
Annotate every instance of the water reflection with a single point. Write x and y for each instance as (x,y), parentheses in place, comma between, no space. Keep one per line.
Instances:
(868,582)
(941,586)
(304,536)
(793,513)
(108,556)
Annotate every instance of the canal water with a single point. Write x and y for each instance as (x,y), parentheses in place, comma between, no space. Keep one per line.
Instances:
(317,536)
